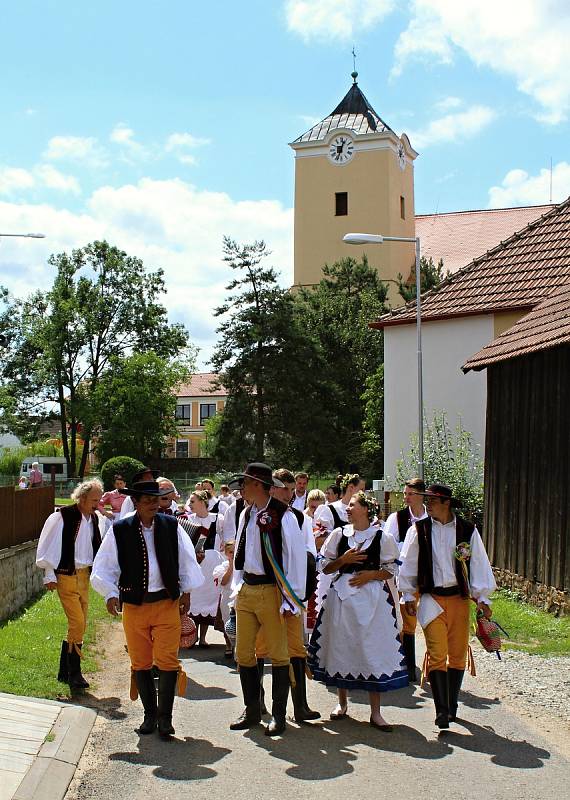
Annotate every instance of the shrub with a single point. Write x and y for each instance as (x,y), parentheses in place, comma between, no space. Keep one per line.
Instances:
(122,465)
(11,457)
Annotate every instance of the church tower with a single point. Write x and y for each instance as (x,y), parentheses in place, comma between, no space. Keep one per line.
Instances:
(353,174)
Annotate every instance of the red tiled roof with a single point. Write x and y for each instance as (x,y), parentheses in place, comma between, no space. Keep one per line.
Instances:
(461,236)
(515,275)
(202,384)
(546,326)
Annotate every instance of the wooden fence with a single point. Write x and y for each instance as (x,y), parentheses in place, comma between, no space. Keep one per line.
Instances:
(23,513)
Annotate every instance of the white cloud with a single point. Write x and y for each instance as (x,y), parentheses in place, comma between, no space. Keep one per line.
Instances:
(52,178)
(453,127)
(131,150)
(184,140)
(122,134)
(337,19)
(169,224)
(519,188)
(84,149)
(15,179)
(523,39)
(447,103)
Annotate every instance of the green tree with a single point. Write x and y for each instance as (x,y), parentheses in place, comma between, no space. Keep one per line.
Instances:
(431,275)
(103,305)
(373,422)
(133,405)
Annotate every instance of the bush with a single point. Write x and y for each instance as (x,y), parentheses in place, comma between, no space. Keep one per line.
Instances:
(122,465)
(451,458)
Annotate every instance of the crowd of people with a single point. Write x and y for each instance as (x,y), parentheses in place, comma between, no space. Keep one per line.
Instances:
(315,583)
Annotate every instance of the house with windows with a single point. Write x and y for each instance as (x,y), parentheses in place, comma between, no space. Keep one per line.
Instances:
(196,402)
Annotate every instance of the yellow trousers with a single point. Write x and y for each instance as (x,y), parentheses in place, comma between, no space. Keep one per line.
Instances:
(258,607)
(152,631)
(409,621)
(73,592)
(447,636)
(295,639)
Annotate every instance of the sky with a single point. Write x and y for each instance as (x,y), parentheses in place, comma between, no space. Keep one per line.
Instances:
(162,127)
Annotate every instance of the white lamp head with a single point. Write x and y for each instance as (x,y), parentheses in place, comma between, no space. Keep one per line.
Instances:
(363,238)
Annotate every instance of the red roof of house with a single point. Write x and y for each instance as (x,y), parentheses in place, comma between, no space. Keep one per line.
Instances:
(546,326)
(202,384)
(461,236)
(515,275)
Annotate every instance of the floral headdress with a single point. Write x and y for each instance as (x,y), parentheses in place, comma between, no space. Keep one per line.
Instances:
(370,504)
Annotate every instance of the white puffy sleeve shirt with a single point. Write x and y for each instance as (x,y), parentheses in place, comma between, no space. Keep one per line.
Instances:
(48,554)
(389,552)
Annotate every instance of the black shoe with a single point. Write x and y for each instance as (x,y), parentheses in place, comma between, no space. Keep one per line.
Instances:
(167,681)
(279,694)
(409,645)
(74,678)
(454,680)
(302,712)
(63,674)
(249,679)
(147,694)
(261,670)
(439,690)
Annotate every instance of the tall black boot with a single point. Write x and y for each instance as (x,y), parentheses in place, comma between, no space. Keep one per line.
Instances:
(409,645)
(438,680)
(75,678)
(454,679)
(279,694)
(261,670)
(63,673)
(167,680)
(302,711)
(249,678)
(147,694)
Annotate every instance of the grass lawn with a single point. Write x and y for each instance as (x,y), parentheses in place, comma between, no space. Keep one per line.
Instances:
(63,501)
(529,628)
(30,645)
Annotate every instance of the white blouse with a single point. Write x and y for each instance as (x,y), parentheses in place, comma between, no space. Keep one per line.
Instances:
(48,554)
(362,540)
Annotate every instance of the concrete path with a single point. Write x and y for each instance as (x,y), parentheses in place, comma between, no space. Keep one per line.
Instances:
(41,742)
(492,755)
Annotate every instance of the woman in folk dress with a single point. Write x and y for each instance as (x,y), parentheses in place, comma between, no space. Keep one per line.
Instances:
(356,641)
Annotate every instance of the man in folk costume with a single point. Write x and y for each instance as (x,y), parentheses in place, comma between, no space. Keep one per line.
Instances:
(67,546)
(398,525)
(270,571)
(445,561)
(295,627)
(299,496)
(147,564)
(144,474)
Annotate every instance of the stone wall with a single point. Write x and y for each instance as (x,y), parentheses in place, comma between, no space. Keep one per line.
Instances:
(546,597)
(20,579)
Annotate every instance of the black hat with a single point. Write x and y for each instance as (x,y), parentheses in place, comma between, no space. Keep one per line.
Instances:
(258,472)
(138,475)
(146,487)
(439,490)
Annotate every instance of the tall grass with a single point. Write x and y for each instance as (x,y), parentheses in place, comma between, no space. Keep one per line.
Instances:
(11,457)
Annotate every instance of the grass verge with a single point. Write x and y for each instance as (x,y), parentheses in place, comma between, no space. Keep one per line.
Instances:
(30,645)
(530,629)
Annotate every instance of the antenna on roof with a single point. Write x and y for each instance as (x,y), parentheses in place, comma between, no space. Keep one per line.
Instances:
(354,73)
(551,179)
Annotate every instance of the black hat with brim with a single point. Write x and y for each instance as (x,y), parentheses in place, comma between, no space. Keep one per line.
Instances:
(146,487)
(137,477)
(257,471)
(440,490)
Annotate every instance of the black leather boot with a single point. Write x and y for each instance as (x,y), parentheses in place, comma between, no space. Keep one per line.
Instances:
(438,680)
(302,712)
(249,678)
(261,670)
(409,645)
(63,673)
(147,694)
(166,690)
(454,680)
(279,695)
(74,678)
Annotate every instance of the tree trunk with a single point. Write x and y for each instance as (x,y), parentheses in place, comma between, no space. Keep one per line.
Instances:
(84,456)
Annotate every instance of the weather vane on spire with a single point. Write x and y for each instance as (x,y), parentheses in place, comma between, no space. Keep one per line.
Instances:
(354,74)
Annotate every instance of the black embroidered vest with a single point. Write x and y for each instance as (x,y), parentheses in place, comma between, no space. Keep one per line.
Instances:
(210,542)
(338,522)
(372,555)
(276,509)
(463,532)
(133,557)
(71,521)
(239,506)
(404,519)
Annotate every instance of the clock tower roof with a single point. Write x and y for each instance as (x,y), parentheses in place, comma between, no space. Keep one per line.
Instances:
(353,112)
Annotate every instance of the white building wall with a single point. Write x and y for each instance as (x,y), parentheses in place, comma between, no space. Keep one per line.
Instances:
(446,344)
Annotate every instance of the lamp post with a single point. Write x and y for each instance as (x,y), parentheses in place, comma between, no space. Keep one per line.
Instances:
(371,238)
(25,235)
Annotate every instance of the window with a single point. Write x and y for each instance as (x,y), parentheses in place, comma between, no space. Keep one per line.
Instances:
(207,410)
(403,207)
(341,204)
(47,468)
(184,412)
(182,448)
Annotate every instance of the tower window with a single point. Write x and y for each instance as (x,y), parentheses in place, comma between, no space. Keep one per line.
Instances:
(341,204)
(403,207)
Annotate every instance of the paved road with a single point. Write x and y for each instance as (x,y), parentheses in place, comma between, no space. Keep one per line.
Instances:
(493,755)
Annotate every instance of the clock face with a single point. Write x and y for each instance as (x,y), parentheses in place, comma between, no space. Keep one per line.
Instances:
(401,156)
(341,149)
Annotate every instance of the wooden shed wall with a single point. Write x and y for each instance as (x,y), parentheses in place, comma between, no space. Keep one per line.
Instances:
(527,466)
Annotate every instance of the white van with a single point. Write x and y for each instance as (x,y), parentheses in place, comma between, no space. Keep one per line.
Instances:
(58,463)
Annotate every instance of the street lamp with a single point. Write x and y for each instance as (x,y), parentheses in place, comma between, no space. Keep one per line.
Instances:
(373,238)
(25,235)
